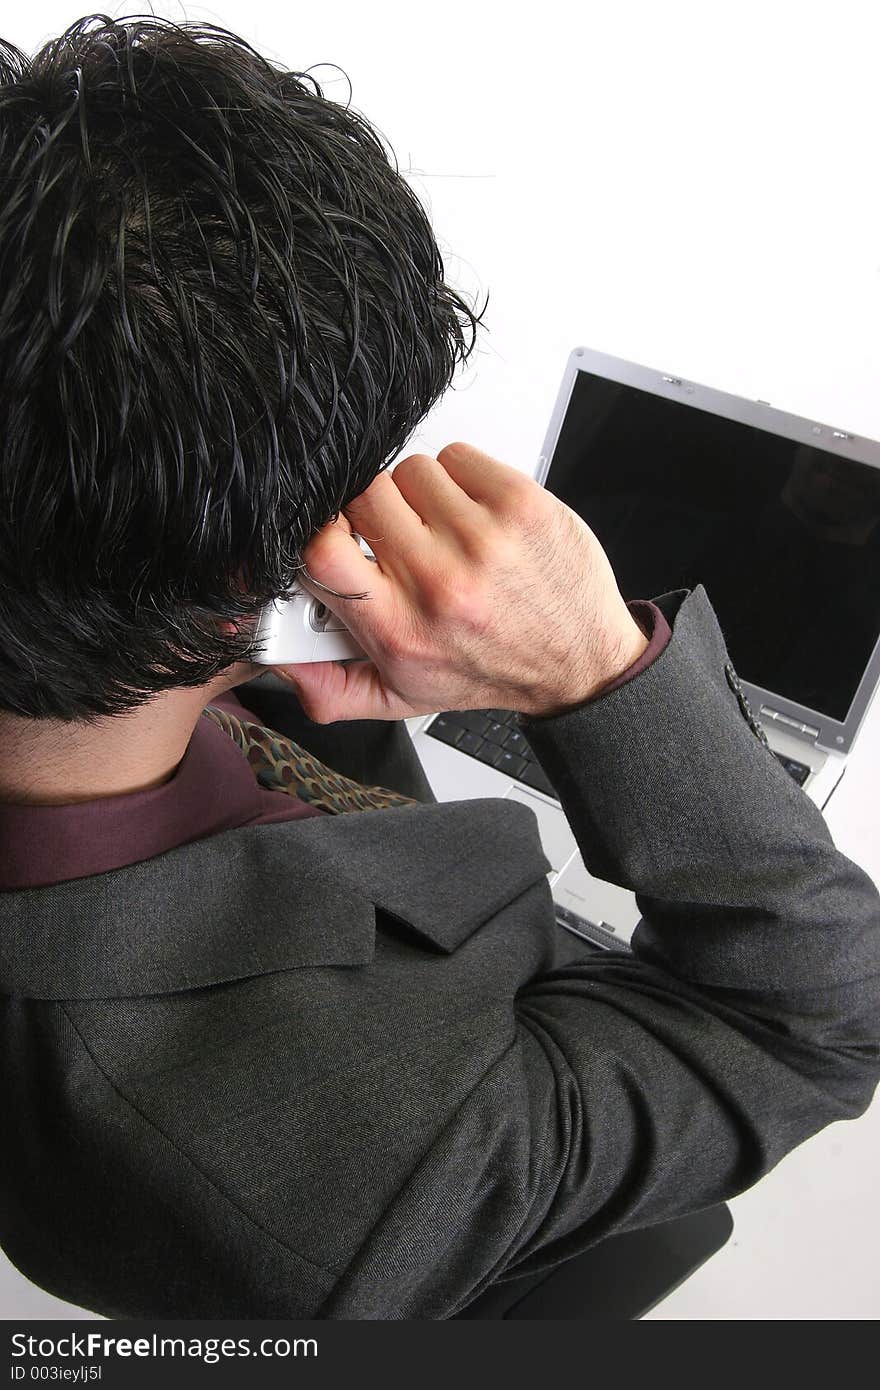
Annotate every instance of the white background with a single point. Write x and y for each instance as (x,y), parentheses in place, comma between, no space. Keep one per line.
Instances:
(687,185)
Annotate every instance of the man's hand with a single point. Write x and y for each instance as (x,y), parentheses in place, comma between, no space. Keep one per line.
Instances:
(486,592)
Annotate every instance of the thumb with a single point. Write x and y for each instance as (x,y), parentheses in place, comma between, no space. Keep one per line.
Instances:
(336,563)
(332,690)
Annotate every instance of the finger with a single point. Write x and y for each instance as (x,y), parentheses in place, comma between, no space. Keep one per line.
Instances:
(436,497)
(333,558)
(317,685)
(484,478)
(382,515)
(329,691)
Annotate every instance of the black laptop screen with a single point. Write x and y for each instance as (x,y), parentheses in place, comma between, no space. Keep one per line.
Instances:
(784,537)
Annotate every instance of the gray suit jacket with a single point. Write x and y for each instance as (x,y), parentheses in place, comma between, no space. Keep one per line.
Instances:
(350,1067)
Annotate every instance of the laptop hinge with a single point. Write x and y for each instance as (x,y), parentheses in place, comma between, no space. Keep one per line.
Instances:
(786,719)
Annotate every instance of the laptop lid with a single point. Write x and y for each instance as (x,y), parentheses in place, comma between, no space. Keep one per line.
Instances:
(777,516)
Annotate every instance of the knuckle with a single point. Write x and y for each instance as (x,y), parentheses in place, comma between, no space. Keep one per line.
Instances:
(324,713)
(494,548)
(315,716)
(523,502)
(305,702)
(309,706)
(320,548)
(458,600)
(474,612)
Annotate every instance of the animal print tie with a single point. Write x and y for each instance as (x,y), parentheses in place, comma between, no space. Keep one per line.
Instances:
(279,764)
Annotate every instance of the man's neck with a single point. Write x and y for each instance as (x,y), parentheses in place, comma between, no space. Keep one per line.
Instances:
(46,762)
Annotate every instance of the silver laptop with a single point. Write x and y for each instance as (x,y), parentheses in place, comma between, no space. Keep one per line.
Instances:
(778,517)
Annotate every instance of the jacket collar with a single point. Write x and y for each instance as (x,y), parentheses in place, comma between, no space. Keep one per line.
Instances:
(262,898)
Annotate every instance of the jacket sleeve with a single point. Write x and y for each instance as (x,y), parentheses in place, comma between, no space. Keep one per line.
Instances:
(747,1017)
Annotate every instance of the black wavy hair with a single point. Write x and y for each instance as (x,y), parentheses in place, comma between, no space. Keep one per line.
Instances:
(222,313)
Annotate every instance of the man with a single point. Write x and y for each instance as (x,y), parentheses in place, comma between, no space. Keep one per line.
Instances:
(279,1040)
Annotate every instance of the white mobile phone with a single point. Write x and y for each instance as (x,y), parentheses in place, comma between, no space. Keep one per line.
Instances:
(301,629)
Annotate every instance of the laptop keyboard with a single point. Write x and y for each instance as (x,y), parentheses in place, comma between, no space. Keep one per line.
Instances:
(799,771)
(494,737)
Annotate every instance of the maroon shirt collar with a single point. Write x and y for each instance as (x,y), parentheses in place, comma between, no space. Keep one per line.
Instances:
(213,789)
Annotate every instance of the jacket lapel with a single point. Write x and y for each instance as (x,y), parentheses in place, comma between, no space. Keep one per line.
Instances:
(258,899)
